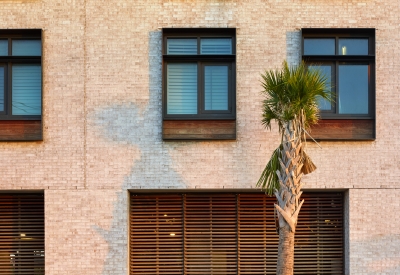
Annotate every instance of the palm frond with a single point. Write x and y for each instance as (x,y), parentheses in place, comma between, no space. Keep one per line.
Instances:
(308,164)
(269,181)
(290,90)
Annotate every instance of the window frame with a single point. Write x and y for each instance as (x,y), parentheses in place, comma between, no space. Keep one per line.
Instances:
(9,61)
(201,60)
(336,60)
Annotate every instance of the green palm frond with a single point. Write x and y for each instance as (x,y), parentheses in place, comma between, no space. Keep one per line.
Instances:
(269,179)
(290,92)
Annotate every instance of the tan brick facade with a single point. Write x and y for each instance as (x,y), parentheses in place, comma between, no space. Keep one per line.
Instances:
(102,121)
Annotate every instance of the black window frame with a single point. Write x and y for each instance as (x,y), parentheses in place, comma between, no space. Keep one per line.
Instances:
(202,60)
(336,60)
(8,61)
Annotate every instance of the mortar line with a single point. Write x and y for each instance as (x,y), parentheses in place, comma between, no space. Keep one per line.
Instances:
(84,99)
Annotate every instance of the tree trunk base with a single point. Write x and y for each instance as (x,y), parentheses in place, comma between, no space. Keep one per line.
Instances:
(285,265)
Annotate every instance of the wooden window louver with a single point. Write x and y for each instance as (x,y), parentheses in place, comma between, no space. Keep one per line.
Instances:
(22,234)
(227,233)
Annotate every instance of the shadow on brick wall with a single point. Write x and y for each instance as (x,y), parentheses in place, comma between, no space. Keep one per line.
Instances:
(139,126)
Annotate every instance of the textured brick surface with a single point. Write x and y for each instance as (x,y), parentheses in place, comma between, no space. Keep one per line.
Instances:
(102,121)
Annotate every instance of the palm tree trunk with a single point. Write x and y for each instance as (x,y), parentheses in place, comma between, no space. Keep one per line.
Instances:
(288,195)
(286,252)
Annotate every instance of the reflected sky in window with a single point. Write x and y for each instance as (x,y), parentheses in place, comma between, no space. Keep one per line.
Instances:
(353,89)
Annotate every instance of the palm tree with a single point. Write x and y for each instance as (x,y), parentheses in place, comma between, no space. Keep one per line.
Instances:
(292,96)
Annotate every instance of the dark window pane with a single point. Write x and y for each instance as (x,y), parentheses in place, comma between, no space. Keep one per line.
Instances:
(319,46)
(216,46)
(1,89)
(216,87)
(182,46)
(325,70)
(3,47)
(353,46)
(26,48)
(182,88)
(26,89)
(353,89)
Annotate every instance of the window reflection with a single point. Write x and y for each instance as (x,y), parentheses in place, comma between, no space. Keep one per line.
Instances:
(319,46)
(353,89)
(3,47)
(353,46)
(326,71)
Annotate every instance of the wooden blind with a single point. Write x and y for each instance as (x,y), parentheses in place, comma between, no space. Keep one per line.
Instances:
(156,234)
(258,239)
(226,233)
(210,234)
(22,234)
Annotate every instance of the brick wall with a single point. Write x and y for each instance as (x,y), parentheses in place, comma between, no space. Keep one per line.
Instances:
(102,121)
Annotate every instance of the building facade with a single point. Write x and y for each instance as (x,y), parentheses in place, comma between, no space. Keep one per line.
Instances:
(102,129)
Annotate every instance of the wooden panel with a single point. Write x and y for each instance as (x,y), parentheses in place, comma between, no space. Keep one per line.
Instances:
(319,235)
(210,234)
(258,238)
(199,129)
(22,234)
(156,234)
(225,233)
(20,130)
(344,129)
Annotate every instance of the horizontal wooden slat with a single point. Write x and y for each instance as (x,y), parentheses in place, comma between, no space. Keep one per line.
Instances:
(22,234)
(225,233)
(156,234)
(20,130)
(199,129)
(344,129)
(210,234)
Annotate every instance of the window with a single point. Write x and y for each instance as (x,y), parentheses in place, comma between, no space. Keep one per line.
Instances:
(22,234)
(199,76)
(347,58)
(230,233)
(20,84)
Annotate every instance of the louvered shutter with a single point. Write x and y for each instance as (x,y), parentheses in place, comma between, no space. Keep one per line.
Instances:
(210,234)
(224,233)
(156,234)
(26,89)
(182,88)
(216,46)
(319,235)
(258,240)
(22,234)
(182,46)
(216,87)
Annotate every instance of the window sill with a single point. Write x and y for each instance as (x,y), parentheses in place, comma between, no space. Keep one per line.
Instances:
(199,130)
(21,130)
(344,129)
